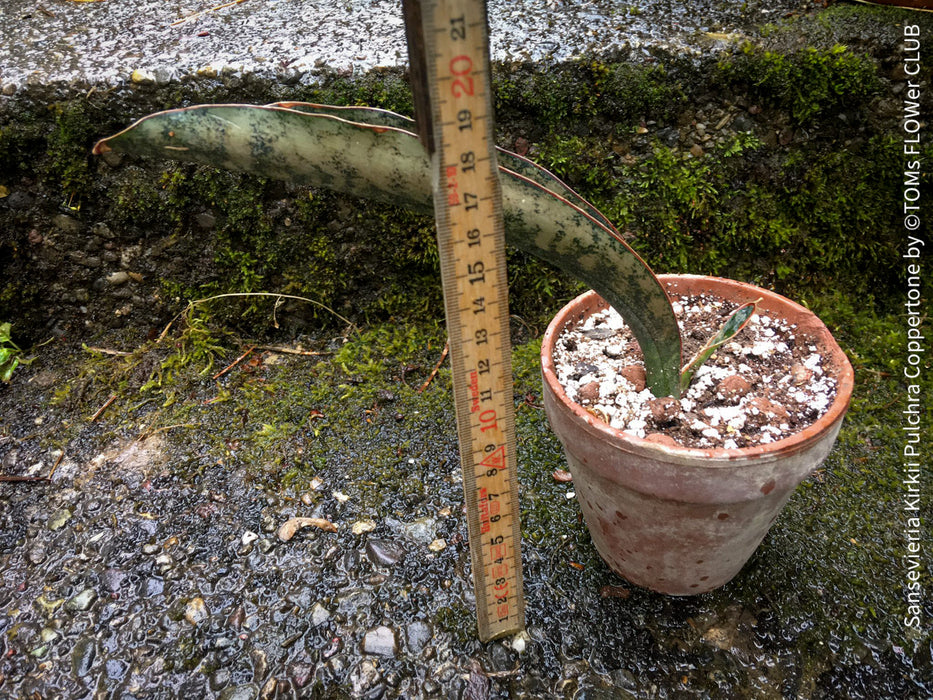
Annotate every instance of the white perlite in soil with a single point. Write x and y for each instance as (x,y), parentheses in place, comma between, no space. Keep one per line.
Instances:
(761,386)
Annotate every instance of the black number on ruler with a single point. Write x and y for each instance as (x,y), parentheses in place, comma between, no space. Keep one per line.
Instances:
(468,161)
(458,28)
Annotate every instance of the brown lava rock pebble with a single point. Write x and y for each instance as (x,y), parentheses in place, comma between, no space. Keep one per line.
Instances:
(733,387)
(664,410)
(589,393)
(768,409)
(634,374)
(661,439)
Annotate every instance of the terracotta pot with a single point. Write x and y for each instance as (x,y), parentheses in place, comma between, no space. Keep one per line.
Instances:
(684,520)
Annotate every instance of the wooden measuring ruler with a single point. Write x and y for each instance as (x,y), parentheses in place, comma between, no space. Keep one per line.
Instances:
(449,49)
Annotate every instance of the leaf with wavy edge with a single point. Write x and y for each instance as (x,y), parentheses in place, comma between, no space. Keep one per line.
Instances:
(386,162)
(512,161)
(732,327)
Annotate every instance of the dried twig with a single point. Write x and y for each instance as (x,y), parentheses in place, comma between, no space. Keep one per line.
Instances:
(291,351)
(107,351)
(33,479)
(55,466)
(103,408)
(522,322)
(234,363)
(436,367)
(203,12)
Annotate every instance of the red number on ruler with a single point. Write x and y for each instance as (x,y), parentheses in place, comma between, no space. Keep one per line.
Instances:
(461,66)
(488,420)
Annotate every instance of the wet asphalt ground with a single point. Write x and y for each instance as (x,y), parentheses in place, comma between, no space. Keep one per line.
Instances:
(150,566)
(104,43)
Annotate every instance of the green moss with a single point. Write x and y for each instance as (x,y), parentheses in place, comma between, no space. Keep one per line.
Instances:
(141,201)
(577,96)
(267,237)
(537,290)
(586,163)
(795,217)
(458,621)
(374,352)
(190,378)
(384,88)
(810,84)
(20,140)
(632,92)
(196,349)
(399,249)
(68,150)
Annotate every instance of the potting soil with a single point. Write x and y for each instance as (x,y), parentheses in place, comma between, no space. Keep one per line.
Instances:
(765,384)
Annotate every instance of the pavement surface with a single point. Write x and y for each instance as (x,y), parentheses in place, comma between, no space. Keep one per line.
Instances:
(112,41)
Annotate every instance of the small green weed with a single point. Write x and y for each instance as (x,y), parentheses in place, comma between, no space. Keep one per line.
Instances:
(197,347)
(11,356)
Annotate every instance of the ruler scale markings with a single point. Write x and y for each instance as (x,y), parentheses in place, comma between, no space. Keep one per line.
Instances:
(468,210)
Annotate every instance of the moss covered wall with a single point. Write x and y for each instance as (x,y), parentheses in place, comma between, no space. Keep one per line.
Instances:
(777,163)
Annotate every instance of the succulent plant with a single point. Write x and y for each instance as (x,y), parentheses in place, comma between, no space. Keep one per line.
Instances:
(375,154)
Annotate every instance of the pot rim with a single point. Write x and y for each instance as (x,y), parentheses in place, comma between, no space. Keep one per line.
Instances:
(831,351)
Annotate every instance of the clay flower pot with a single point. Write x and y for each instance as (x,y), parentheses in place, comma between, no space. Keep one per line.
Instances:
(681,520)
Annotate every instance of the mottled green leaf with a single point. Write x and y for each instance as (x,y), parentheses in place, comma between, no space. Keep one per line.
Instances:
(374,155)
(382,163)
(507,159)
(733,325)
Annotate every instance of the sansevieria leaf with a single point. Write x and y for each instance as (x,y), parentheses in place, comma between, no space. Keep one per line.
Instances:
(372,154)
(733,325)
(507,159)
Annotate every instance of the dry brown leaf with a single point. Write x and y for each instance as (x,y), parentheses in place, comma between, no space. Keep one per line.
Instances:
(614,592)
(290,527)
